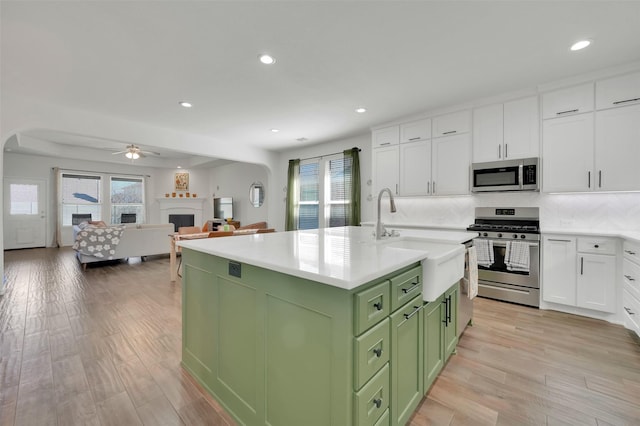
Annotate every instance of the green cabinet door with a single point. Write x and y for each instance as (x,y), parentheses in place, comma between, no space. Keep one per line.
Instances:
(433,341)
(406,360)
(451,324)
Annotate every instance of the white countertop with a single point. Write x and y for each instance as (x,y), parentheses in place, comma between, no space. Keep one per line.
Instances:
(344,257)
(627,235)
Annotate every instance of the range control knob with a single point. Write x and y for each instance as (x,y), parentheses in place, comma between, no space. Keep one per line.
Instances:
(515,235)
(485,234)
(499,235)
(523,236)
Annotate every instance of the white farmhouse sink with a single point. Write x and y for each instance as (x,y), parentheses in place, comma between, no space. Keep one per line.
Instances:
(442,267)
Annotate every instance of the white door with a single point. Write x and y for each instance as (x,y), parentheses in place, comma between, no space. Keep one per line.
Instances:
(24,213)
(450,158)
(415,168)
(521,128)
(597,282)
(559,271)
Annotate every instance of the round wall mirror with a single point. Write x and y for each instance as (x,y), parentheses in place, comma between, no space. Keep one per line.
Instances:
(256,194)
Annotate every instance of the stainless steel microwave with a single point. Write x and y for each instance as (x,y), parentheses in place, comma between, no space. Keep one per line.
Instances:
(506,175)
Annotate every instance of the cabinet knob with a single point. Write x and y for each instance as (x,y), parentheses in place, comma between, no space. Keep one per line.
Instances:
(378,306)
(378,352)
(596,246)
(377,402)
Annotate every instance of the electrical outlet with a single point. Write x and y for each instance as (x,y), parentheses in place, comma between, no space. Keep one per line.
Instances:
(235,269)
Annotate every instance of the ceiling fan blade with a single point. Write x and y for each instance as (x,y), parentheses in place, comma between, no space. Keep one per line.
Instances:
(119,152)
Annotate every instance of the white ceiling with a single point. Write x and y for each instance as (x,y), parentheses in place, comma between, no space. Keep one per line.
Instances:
(136,60)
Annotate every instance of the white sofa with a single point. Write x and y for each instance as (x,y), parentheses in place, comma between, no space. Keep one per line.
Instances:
(136,241)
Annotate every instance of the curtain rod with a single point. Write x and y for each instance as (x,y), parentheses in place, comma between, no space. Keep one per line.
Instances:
(328,155)
(94,171)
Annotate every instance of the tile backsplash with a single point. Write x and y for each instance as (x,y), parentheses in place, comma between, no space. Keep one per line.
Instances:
(605,211)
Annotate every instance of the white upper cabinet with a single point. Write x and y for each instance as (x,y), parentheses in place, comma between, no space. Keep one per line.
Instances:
(386,136)
(386,169)
(572,100)
(451,159)
(567,150)
(618,91)
(521,128)
(451,124)
(506,131)
(617,154)
(488,136)
(415,131)
(415,168)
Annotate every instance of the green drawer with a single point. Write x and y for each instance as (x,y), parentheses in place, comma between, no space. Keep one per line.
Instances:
(371,402)
(384,420)
(371,352)
(371,306)
(405,287)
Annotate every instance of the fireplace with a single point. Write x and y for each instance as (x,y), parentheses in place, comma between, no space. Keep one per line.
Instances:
(180,220)
(192,207)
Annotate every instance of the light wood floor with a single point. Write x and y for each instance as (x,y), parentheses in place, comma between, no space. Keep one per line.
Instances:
(102,347)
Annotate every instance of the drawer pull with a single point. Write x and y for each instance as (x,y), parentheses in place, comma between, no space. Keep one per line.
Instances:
(566,112)
(627,100)
(414,139)
(385,143)
(629,277)
(415,311)
(633,253)
(629,311)
(378,352)
(377,402)
(378,306)
(413,287)
(559,241)
(449,132)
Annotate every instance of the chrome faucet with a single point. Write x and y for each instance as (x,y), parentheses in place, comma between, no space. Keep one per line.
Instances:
(381,231)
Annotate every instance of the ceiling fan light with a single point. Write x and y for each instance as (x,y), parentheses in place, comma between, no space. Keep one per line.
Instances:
(129,155)
(135,155)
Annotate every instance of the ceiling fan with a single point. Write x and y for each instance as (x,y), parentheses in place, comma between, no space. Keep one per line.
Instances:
(134,152)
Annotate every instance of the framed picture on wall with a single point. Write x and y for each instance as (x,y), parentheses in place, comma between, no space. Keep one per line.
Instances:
(182,181)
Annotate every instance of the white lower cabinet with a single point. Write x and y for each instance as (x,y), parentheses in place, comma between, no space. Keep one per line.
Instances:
(584,279)
(631,286)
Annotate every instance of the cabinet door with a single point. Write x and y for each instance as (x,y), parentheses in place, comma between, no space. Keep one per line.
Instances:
(572,100)
(618,91)
(451,160)
(415,168)
(450,124)
(406,360)
(385,137)
(559,270)
(567,150)
(415,131)
(521,128)
(596,282)
(488,133)
(450,322)
(618,149)
(385,169)
(433,340)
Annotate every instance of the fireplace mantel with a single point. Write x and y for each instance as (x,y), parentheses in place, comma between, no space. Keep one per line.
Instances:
(181,206)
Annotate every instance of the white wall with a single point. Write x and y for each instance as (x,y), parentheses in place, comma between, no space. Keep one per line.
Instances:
(158,182)
(234,180)
(361,141)
(607,211)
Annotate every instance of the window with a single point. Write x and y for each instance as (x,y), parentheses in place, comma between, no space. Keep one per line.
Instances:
(127,198)
(325,191)
(24,199)
(80,194)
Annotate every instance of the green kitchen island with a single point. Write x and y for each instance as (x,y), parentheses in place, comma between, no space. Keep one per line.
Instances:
(319,327)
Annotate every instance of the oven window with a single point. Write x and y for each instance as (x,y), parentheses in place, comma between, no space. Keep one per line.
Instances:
(496,177)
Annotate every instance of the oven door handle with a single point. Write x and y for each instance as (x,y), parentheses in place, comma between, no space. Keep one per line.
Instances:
(496,243)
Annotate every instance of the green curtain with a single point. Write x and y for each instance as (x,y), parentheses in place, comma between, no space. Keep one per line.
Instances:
(291,218)
(353,212)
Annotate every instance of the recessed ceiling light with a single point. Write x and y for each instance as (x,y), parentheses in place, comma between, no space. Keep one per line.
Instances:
(580,45)
(185,104)
(179,167)
(266,59)
(275,130)
(361,110)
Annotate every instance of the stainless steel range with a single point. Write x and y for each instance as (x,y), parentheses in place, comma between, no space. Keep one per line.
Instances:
(508,248)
